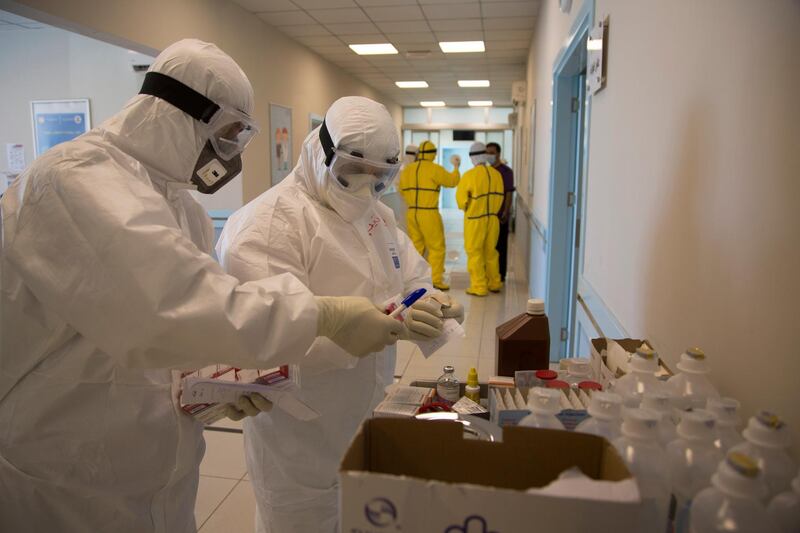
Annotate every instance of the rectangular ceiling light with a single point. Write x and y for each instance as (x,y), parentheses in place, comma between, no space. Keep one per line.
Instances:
(480,103)
(411,84)
(460,47)
(373,49)
(474,83)
(436,103)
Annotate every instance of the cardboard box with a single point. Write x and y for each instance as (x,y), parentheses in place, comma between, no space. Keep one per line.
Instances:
(598,360)
(416,476)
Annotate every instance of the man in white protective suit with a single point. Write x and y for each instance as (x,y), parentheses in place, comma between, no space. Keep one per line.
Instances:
(107,287)
(325,225)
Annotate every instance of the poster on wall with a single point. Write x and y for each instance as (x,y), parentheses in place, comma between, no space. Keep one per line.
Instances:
(314,120)
(280,122)
(57,121)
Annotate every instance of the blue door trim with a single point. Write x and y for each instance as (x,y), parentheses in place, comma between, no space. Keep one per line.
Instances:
(559,227)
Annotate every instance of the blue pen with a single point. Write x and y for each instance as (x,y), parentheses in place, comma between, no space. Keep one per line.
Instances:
(407,302)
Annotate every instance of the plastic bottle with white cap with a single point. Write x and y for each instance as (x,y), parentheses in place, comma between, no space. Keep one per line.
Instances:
(692,459)
(644,456)
(691,386)
(641,378)
(605,412)
(661,403)
(733,501)
(785,508)
(766,438)
(544,404)
(727,412)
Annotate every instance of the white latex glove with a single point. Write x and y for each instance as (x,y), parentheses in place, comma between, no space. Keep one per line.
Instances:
(248,406)
(450,306)
(355,324)
(423,321)
(455,160)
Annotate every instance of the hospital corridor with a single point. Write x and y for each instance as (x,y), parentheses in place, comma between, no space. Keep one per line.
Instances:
(421,266)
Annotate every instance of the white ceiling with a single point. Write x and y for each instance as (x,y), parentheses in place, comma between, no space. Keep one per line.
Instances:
(328,26)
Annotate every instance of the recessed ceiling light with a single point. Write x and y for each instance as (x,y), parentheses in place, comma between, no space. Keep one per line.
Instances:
(436,103)
(373,49)
(480,103)
(458,47)
(411,84)
(474,83)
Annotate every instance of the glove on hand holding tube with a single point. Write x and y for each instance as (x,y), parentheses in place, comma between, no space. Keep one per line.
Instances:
(355,324)
(450,307)
(423,321)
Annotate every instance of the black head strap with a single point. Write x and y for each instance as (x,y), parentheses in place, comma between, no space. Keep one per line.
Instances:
(327,143)
(478,153)
(180,95)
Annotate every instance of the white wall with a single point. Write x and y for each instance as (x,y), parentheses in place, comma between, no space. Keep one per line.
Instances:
(693,232)
(53,64)
(281,70)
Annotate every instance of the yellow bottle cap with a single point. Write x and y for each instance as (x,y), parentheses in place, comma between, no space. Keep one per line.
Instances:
(472,377)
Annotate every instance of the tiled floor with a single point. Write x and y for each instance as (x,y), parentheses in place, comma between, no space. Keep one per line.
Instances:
(225,502)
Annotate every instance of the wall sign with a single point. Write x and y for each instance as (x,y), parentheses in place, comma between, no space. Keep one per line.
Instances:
(57,121)
(280,126)
(597,57)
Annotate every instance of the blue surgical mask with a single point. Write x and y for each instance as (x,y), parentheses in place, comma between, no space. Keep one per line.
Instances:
(491,158)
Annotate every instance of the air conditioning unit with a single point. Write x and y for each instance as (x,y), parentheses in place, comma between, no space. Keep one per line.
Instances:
(519,92)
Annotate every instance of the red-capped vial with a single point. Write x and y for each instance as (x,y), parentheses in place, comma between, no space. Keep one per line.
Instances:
(589,385)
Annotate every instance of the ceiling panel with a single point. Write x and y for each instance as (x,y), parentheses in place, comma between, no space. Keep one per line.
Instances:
(457,25)
(326,16)
(304,30)
(371,3)
(521,23)
(414,27)
(259,6)
(366,38)
(352,28)
(403,26)
(322,4)
(462,10)
(412,38)
(286,18)
(458,35)
(385,14)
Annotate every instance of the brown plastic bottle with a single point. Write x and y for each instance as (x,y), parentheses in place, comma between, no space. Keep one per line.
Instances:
(523,343)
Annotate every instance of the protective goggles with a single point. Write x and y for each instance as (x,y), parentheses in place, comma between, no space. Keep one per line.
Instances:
(229,130)
(353,172)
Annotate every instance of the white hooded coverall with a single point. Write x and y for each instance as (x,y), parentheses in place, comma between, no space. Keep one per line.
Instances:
(290,228)
(106,285)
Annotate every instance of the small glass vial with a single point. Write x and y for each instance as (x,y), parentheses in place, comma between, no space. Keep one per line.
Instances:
(447,386)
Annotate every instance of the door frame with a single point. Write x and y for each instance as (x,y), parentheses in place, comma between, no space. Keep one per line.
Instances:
(562,265)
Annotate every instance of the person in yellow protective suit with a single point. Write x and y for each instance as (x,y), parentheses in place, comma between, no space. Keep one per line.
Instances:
(420,184)
(480,195)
